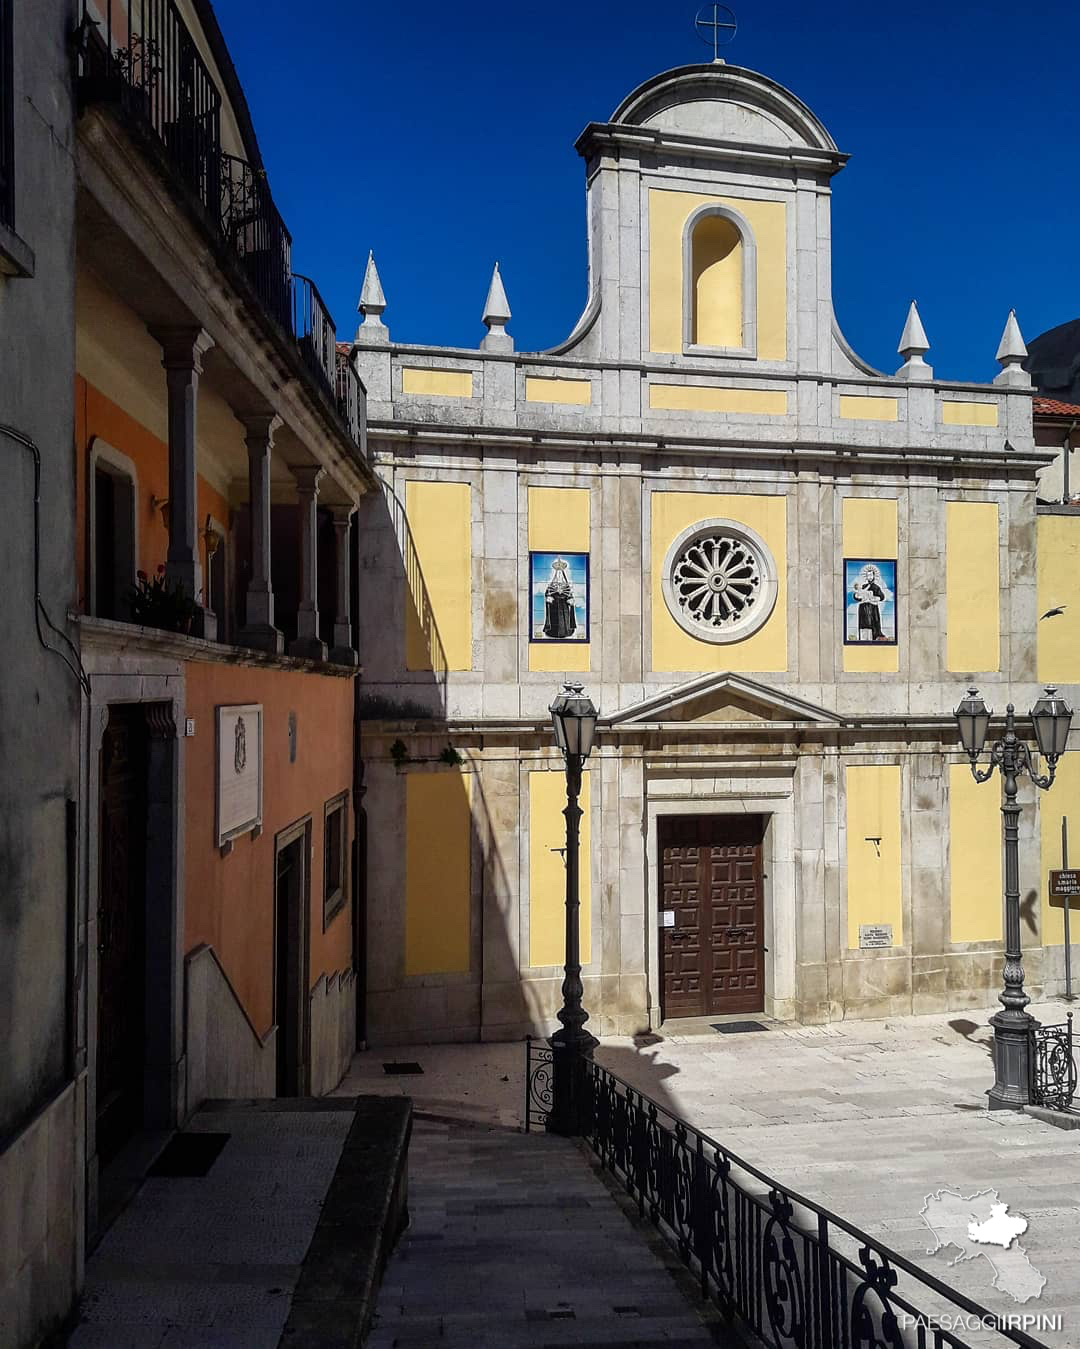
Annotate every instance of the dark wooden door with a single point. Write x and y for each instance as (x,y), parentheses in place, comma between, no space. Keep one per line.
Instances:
(289,957)
(121,918)
(713,956)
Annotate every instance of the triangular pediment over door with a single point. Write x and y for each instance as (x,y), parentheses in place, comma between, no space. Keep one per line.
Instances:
(722,698)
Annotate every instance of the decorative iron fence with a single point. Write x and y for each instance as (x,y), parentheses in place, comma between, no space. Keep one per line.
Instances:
(789,1271)
(539,1087)
(1053,1066)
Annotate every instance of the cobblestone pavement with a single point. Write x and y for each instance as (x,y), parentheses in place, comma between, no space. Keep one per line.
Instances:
(517,1243)
(866,1118)
(211,1262)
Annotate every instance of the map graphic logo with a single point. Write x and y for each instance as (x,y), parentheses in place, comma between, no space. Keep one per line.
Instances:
(980,1224)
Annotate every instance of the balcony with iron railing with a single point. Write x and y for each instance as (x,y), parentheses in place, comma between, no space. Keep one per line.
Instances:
(152,73)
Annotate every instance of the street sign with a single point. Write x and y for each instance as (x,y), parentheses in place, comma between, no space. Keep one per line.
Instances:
(1065,889)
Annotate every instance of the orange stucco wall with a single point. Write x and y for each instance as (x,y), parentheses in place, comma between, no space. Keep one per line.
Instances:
(97,415)
(229,901)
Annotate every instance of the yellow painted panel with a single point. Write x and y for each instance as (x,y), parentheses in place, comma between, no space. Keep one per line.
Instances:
(1063,799)
(975,902)
(871,659)
(672,648)
(542,390)
(560,658)
(437,383)
(972,623)
(870,531)
(438,573)
(547,873)
(874,893)
(559,518)
(707,398)
(961,412)
(870,527)
(668,214)
(716,261)
(438,834)
(1057,540)
(858,407)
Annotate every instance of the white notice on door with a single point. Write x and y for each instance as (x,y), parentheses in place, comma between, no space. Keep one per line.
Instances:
(667,917)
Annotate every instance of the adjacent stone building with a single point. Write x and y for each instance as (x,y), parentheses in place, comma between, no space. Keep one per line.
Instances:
(774,568)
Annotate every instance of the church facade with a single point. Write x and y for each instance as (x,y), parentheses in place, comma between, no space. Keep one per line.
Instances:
(774,569)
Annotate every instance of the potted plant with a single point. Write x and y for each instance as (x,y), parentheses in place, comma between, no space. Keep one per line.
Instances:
(157,602)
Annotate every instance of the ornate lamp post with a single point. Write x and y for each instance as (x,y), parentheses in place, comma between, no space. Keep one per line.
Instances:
(574,718)
(1013,1026)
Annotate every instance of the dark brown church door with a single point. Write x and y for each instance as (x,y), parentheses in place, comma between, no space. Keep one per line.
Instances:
(121,919)
(712,933)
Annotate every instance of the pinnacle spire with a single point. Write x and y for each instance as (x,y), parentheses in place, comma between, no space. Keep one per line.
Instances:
(497,316)
(1011,354)
(913,345)
(371,305)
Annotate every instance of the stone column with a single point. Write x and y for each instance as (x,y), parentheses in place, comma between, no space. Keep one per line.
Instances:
(182,352)
(343,652)
(259,630)
(307,615)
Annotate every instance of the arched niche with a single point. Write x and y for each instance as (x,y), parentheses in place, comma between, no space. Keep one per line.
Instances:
(719,284)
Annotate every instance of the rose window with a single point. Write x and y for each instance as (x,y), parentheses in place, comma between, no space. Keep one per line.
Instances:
(719,581)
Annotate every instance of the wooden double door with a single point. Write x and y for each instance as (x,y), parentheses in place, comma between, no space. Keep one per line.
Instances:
(712,926)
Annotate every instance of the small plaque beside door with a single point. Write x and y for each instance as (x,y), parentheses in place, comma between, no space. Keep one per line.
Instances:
(875,936)
(667,917)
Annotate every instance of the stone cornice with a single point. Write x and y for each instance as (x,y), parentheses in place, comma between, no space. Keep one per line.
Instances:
(104,634)
(601,137)
(613,442)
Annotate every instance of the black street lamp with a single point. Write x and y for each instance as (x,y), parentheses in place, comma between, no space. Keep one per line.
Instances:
(1013,1026)
(574,719)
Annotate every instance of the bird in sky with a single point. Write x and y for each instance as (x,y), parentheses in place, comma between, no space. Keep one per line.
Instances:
(1054,613)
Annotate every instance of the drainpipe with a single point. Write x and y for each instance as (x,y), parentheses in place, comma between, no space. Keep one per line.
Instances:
(359,873)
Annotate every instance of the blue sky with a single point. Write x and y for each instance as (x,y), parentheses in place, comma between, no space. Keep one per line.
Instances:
(442,137)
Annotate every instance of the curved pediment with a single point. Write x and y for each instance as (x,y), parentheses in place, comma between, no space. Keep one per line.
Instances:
(719,102)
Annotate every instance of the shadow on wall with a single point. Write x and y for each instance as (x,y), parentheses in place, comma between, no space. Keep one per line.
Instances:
(421,630)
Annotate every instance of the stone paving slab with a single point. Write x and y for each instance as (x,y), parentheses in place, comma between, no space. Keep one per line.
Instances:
(865,1118)
(211,1262)
(517,1243)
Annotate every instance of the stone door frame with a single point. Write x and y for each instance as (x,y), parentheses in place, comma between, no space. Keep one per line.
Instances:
(165,1102)
(716,789)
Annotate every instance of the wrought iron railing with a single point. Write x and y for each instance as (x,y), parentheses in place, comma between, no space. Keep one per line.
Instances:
(794,1274)
(1053,1066)
(315,332)
(144,57)
(147,63)
(256,233)
(352,400)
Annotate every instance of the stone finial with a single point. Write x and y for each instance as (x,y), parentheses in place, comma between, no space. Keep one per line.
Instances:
(913,346)
(497,316)
(1011,355)
(372,303)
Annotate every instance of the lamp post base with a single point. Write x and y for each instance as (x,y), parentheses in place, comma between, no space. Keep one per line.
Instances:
(1012,1060)
(566,1056)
